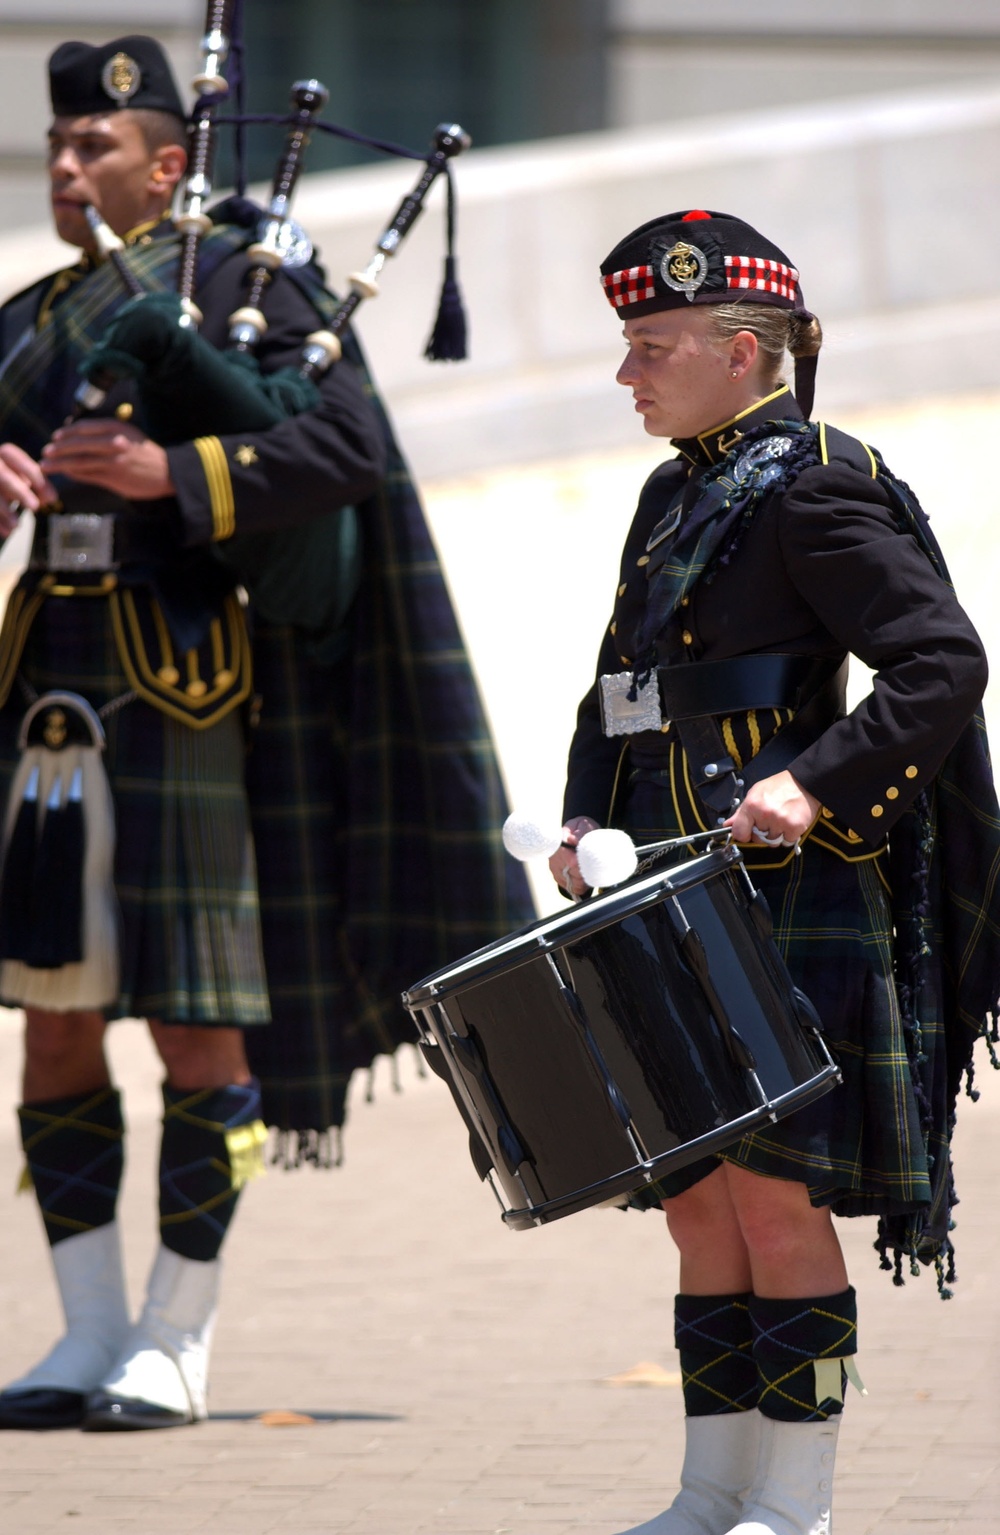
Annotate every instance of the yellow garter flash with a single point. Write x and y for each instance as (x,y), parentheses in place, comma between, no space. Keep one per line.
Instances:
(829,1381)
(25,1183)
(220,486)
(245,1145)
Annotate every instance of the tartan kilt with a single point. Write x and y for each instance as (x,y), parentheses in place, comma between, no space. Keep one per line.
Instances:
(327,1022)
(184,862)
(859,1148)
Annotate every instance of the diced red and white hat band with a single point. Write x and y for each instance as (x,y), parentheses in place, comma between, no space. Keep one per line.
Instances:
(761,274)
(632,285)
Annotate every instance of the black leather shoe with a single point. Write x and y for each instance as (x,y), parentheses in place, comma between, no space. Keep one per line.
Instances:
(105,1412)
(41,1407)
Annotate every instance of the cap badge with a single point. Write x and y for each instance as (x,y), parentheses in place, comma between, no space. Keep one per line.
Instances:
(684,268)
(121,78)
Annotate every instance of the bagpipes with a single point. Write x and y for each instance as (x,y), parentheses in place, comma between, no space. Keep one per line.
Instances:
(58,945)
(187,388)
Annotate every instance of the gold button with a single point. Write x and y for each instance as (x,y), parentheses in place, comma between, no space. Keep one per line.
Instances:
(224,679)
(196,689)
(614,628)
(911,772)
(685,602)
(664,728)
(170,675)
(687,637)
(626,660)
(643,559)
(877,810)
(109,582)
(892,793)
(124,411)
(827,813)
(853,836)
(622,589)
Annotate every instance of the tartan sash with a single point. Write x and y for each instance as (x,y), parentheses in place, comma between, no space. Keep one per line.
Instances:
(46,368)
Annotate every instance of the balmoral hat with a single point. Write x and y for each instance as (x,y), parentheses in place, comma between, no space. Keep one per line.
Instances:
(128,72)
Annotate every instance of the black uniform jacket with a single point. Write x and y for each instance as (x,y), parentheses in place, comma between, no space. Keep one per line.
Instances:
(822,571)
(245,481)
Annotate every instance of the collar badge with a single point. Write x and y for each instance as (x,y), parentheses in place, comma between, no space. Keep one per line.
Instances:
(684,268)
(121,78)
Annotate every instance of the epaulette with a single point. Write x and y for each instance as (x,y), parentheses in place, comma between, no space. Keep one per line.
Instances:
(837,447)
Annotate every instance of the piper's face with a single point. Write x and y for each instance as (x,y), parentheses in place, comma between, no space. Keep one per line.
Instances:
(680,376)
(102,159)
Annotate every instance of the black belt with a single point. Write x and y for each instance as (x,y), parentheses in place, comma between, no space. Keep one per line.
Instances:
(738,685)
(813,687)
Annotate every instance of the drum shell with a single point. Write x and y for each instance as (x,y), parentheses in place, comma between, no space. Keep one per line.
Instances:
(588,1053)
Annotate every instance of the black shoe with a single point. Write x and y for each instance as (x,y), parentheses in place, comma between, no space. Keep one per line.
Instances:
(42,1407)
(106,1412)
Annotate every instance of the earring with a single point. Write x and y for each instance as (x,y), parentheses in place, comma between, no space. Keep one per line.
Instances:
(734,374)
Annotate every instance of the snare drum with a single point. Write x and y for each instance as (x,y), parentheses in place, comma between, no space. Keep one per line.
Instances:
(604,1047)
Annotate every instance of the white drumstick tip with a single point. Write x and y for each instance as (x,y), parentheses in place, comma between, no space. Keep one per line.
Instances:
(606,857)
(525,838)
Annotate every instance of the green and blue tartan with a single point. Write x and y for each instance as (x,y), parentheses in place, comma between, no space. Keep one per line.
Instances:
(377,807)
(184,861)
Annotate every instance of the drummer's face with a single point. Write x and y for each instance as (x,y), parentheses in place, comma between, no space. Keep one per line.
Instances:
(102,158)
(681,377)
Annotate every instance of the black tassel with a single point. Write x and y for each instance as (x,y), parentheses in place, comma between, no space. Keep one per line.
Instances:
(448,338)
(450,333)
(18,871)
(56,904)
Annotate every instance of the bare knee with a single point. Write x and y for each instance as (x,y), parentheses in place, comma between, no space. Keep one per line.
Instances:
(63,1054)
(200,1057)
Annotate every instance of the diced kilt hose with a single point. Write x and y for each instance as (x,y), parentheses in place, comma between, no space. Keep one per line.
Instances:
(184,861)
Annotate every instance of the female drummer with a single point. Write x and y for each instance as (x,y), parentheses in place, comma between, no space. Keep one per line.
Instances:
(760,556)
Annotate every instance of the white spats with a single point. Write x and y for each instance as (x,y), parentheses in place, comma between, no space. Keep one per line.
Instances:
(719,1460)
(88,1270)
(163,1366)
(525,837)
(792,1491)
(606,857)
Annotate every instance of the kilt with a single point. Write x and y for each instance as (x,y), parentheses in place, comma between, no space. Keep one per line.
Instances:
(327,1021)
(184,863)
(859,1149)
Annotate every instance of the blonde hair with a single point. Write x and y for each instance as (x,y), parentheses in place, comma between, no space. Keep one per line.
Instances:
(777,330)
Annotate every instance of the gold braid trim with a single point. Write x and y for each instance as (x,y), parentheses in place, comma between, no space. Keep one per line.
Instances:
(220,486)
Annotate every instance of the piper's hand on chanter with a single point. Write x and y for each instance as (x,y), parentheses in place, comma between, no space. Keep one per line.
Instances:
(23,486)
(777,811)
(563,863)
(112,454)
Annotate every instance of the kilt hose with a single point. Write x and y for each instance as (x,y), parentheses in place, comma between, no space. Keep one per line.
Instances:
(184,862)
(860,1148)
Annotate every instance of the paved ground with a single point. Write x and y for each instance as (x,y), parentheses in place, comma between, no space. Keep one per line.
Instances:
(455,1374)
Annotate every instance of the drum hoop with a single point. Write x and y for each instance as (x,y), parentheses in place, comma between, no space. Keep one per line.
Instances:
(580,921)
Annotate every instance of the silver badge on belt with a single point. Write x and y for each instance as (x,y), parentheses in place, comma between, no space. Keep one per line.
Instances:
(623,716)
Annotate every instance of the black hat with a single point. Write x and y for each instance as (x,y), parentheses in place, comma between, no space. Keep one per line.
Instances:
(128,72)
(699,258)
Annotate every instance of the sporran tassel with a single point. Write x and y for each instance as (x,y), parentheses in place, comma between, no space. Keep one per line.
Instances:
(58,870)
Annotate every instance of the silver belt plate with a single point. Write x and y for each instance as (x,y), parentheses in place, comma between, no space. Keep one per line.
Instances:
(620,715)
(81,541)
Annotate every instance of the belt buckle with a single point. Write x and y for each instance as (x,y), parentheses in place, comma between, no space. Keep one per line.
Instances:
(623,716)
(81,541)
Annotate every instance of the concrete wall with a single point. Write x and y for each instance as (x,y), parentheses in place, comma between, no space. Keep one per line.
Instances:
(886,205)
(668,63)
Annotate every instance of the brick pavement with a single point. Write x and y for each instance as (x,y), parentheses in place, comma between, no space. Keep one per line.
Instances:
(455,1370)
